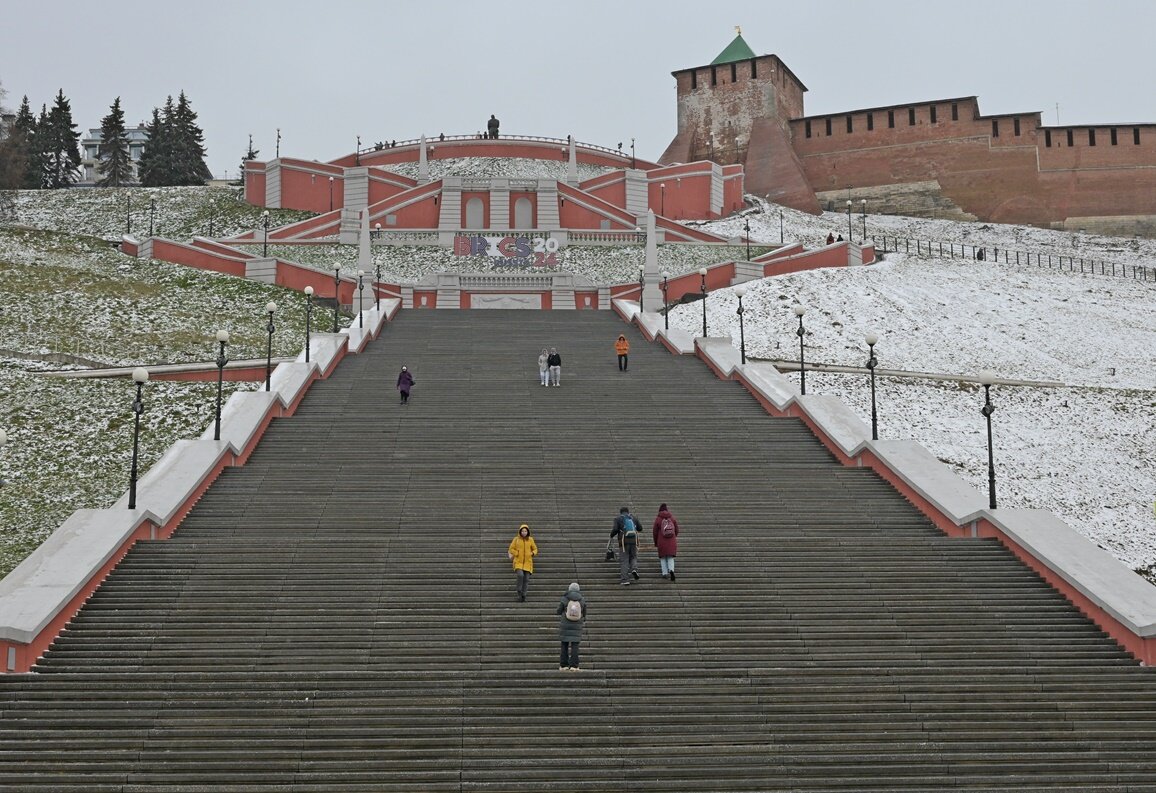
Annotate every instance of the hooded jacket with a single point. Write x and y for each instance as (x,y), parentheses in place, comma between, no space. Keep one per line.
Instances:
(568,630)
(666,546)
(524,550)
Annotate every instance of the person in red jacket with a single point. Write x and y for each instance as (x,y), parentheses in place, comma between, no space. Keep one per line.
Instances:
(665,534)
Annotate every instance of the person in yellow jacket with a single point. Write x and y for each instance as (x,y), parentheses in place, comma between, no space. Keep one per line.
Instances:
(522,551)
(622,347)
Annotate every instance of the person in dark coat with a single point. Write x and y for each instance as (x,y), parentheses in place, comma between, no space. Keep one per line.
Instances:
(665,533)
(830,238)
(404,384)
(554,361)
(570,630)
(492,126)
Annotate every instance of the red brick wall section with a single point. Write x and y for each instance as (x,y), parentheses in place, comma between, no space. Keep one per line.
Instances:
(306,190)
(255,183)
(169,251)
(612,191)
(774,171)
(408,213)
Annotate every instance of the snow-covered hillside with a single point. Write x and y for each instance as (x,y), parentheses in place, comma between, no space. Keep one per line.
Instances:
(1086,451)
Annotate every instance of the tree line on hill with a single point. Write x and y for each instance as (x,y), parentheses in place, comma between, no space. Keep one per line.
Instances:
(43,151)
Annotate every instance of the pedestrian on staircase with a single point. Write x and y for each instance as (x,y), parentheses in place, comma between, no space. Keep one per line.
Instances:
(622,347)
(544,367)
(404,384)
(554,360)
(665,533)
(626,530)
(522,551)
(571,620)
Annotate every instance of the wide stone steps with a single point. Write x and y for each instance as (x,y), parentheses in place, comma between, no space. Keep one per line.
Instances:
(339,614)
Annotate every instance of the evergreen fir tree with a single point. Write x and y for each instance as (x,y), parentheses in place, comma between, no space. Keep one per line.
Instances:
(60,143)
(188,146)
(115,165)
(28,165)
(153,165)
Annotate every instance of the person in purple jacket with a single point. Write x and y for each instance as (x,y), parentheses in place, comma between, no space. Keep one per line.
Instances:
(404,384)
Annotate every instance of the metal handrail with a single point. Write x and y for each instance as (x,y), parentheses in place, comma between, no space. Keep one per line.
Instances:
(890,244)
(434,141)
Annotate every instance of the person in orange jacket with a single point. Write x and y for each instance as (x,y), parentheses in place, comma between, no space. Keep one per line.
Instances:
(622,347)
(522,551)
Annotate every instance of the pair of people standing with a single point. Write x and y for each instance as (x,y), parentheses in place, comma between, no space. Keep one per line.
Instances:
(550,367)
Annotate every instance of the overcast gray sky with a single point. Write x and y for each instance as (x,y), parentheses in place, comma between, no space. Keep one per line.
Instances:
(326,72)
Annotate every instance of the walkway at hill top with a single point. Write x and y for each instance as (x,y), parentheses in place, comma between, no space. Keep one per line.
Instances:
(339,613)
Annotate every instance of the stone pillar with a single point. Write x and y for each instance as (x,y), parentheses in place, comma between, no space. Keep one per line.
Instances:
(422,164)
(364,244)
(651,292)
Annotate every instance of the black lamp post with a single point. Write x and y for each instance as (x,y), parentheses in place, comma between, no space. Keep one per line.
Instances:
(632,165)
(376,231)
(269,328)
(140,376)
(747,229)
(871,340)
(641,288)
(780,227)
(265,241)
(308,320)
(336,294)
(702,288)
(128,211)
(863,215)
(330,193)
(152,214)
(850,236)
(222,359)
(799,312)
(665,304)
(662,194)
(739,292)
(360,293)
(986,379)
(212,211)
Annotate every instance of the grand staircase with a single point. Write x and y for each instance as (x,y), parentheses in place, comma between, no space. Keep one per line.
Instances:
(339,614)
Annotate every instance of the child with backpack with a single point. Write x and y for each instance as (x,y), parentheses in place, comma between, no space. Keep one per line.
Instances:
(572,618)
(665,534)
(626,530)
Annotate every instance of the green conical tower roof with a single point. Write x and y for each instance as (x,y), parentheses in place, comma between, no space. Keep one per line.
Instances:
(737,50)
